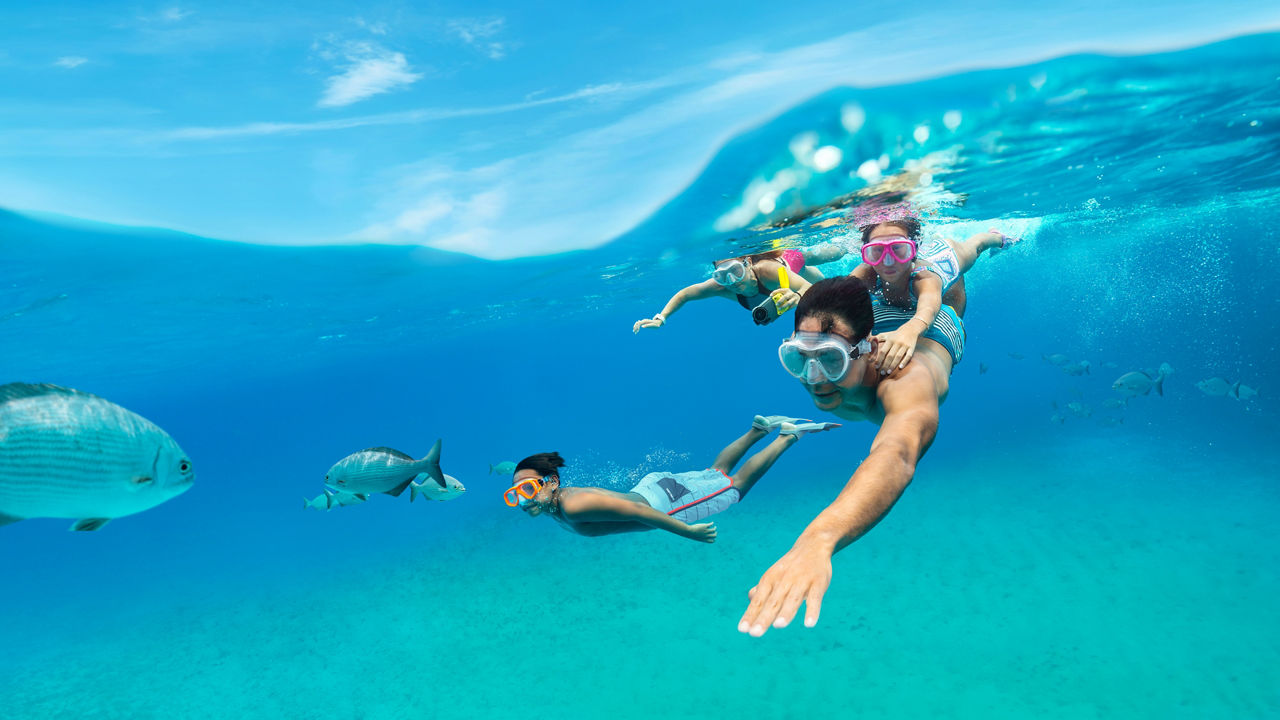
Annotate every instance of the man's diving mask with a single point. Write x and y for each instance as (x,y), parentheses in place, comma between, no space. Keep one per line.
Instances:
(814,357)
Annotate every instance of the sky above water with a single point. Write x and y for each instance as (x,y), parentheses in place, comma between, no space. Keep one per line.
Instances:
(495,129)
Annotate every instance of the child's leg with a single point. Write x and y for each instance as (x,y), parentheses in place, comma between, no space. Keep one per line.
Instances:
(968,250)
(811,274)
(824,253)
(755,468)
(732,454)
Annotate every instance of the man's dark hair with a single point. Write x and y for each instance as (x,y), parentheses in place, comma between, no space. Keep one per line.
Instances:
(844,298)
(546,464)
(910,226)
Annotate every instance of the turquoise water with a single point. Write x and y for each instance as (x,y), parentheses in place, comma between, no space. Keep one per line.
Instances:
(1117,565)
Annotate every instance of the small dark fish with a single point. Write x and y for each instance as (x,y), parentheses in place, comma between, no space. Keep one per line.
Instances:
(1016,356)
(982,368)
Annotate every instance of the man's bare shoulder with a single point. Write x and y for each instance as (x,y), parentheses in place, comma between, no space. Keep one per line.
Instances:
(925,379)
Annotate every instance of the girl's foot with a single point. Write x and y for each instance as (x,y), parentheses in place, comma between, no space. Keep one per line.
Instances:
(804,427)
(1006,241)
(768,423)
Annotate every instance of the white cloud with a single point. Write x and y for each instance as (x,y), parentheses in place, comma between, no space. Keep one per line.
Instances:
(377,28)
(413,221)
(174,14)
(70,62)
(370,70)
(477,33)
(407,117)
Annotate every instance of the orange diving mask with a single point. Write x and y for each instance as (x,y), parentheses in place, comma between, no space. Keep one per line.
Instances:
(518,494)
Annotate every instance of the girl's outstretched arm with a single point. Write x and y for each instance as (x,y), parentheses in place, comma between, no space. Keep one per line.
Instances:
(699,291)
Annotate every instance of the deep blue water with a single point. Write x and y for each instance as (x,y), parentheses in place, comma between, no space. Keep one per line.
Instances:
(1074,569)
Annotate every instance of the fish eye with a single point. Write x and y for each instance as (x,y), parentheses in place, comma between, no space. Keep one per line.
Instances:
(184,466)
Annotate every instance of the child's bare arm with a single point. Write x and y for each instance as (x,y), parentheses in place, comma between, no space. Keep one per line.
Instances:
(697,291)
(598,507)
(898,346)
(866,274)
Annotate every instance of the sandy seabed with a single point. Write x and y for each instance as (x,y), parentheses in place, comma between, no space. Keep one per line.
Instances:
(1095,579)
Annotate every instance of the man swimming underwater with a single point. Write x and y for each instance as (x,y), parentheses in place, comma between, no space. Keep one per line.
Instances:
(831,353)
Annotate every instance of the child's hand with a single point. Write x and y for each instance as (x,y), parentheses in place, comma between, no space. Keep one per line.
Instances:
(656,321)
(896,349)
(785,299)
(703,532)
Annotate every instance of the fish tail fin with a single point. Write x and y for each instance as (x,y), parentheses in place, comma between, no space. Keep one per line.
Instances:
(1160,386)
(431,465)
(490,468)
(1235,391)
(305,503)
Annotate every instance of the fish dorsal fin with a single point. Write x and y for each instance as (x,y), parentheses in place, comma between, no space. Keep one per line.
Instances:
(20,391)
(389,451)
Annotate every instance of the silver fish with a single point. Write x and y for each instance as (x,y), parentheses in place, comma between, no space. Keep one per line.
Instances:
(1079,409)
(1215,386)
(427,487)
(1016,356)
(1058,418)
(1241,391)
(503,468)
(1056,359)
(1137,383)
(1115,403)
(382,470)
(329,500)
(1077,369)
(70,454)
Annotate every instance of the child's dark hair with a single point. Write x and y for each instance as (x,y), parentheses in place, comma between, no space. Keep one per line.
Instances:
(909,225)
(546,464)
(843,297)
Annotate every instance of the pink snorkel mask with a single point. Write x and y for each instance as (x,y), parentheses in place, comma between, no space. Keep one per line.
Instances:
(898,247)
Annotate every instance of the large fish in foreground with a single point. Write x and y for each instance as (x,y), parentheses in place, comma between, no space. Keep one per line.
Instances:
(69,454)
(383,470)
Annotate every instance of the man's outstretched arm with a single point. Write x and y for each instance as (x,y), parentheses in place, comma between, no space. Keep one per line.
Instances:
(910,402)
